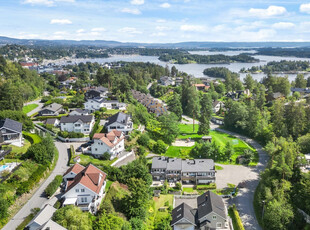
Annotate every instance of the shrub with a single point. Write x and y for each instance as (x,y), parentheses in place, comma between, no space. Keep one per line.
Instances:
(160,147)
(65,134)
(95,128)
(166,203)
(52,187)
(143,139)
(206,186)
(106,156)
(141,151)
(233,213)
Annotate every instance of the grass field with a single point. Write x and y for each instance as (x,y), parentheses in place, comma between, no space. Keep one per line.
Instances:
(21,150)
(188,190)
(85,159)
(160,203)
(221,139)
(34,138)
(112,111)
(29,108)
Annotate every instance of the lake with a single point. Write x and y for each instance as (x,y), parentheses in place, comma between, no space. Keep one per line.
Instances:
(196,69)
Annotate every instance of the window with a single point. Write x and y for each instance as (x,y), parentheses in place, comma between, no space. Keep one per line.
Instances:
(214,217)
(82,190)
(96,149)
(84,199)
(77,125)
(77,190)
(218,225)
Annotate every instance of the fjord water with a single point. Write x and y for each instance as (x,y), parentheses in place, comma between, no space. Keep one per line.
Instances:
(197,69)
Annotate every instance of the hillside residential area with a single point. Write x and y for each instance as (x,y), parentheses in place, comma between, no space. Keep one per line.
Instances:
(154,115)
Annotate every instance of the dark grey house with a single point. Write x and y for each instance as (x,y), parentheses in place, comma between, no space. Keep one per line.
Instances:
(96,92)
(197,171)
(11,132)
(53,109)
(209,214)
(121,122)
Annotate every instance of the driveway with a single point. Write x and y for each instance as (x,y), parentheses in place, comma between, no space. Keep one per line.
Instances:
(245,197)
(38,199)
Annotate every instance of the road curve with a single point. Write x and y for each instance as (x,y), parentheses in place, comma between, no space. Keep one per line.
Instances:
(244,199)
(38,199)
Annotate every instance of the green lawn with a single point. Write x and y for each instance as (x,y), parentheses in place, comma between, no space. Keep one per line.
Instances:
(85,159)
(32,137)
(188,190)
(186,131)
(21,150)
(29,108)
(160,203)
(112,111)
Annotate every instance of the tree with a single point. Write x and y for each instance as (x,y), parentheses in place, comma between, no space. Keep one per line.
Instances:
(229,150)
(278,119)
(138,199)
(300,81)
(72,217)
(174,71)
(143,139)
(193,106)
(304,143)
(4,206)
(169,127)
(205,114)
(108,222)
(249,82)
(175,105)
(159,147)
(137,224)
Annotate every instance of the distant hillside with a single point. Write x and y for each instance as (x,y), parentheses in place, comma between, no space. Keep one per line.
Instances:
(184,45)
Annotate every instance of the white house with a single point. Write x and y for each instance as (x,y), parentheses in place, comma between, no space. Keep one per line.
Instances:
(11,132)
(217,105)
(43,219)
(84,187)
(121,122)
(77,123)
(79,112)
(94,104)
(112,142)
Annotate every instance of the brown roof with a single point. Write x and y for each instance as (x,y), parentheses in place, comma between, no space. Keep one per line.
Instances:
(199,85)
(109,138)
(89,177)
(75,169)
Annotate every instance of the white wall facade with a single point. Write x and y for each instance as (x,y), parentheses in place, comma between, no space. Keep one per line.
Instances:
(78,127)
(98,148)
(120,127)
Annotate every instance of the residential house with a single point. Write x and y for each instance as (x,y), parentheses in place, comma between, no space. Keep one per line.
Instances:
(166,81)
(210,213)
(52,121)
(274,96)
(94,104)
(43,220)
(119,121)
(152,104)
(53,109)
(11,132)
(84,187)
(197,171)
(201,87)
(217,105)
(301,90)
(112,142)
(77,123)
(95,92)
(178,81)
(79,112)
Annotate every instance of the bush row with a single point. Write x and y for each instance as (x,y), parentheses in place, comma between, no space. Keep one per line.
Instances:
(94,129)
(237,223)
(65,134)
(52,187)
(35,177)
(206,186)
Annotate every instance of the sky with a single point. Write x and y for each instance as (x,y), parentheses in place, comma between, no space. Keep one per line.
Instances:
(157,21)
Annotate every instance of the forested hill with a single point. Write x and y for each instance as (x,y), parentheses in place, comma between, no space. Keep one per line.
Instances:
(17,85)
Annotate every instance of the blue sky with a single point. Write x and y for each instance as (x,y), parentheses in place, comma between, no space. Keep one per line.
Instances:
(157,20)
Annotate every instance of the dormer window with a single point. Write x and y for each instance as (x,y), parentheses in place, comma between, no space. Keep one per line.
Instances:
(214,217)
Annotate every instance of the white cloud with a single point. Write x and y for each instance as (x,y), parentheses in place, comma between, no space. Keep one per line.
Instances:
(95,33)
(80,31)
(260,35)
(271,11)
(159,34)
(131,11)
(165,5)
(60,21)
(39,2)
(137,2)
(61,33)
(161,20)
(129,30)
(196,28)
(305,8)
(46,2)
(162,28)
(283,25)
(98,29)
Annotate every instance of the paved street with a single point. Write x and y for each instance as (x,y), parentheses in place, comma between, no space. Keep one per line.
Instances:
(38,199)
(245,197)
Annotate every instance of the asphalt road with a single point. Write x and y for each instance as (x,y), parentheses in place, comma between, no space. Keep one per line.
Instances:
(245,197)
(38,199)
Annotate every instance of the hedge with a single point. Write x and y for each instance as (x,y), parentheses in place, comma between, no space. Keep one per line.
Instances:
(53,186)
(233,213)
(65,134)
(43,118)
(206,186)
(72,155)
(94,129)
(32,138)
